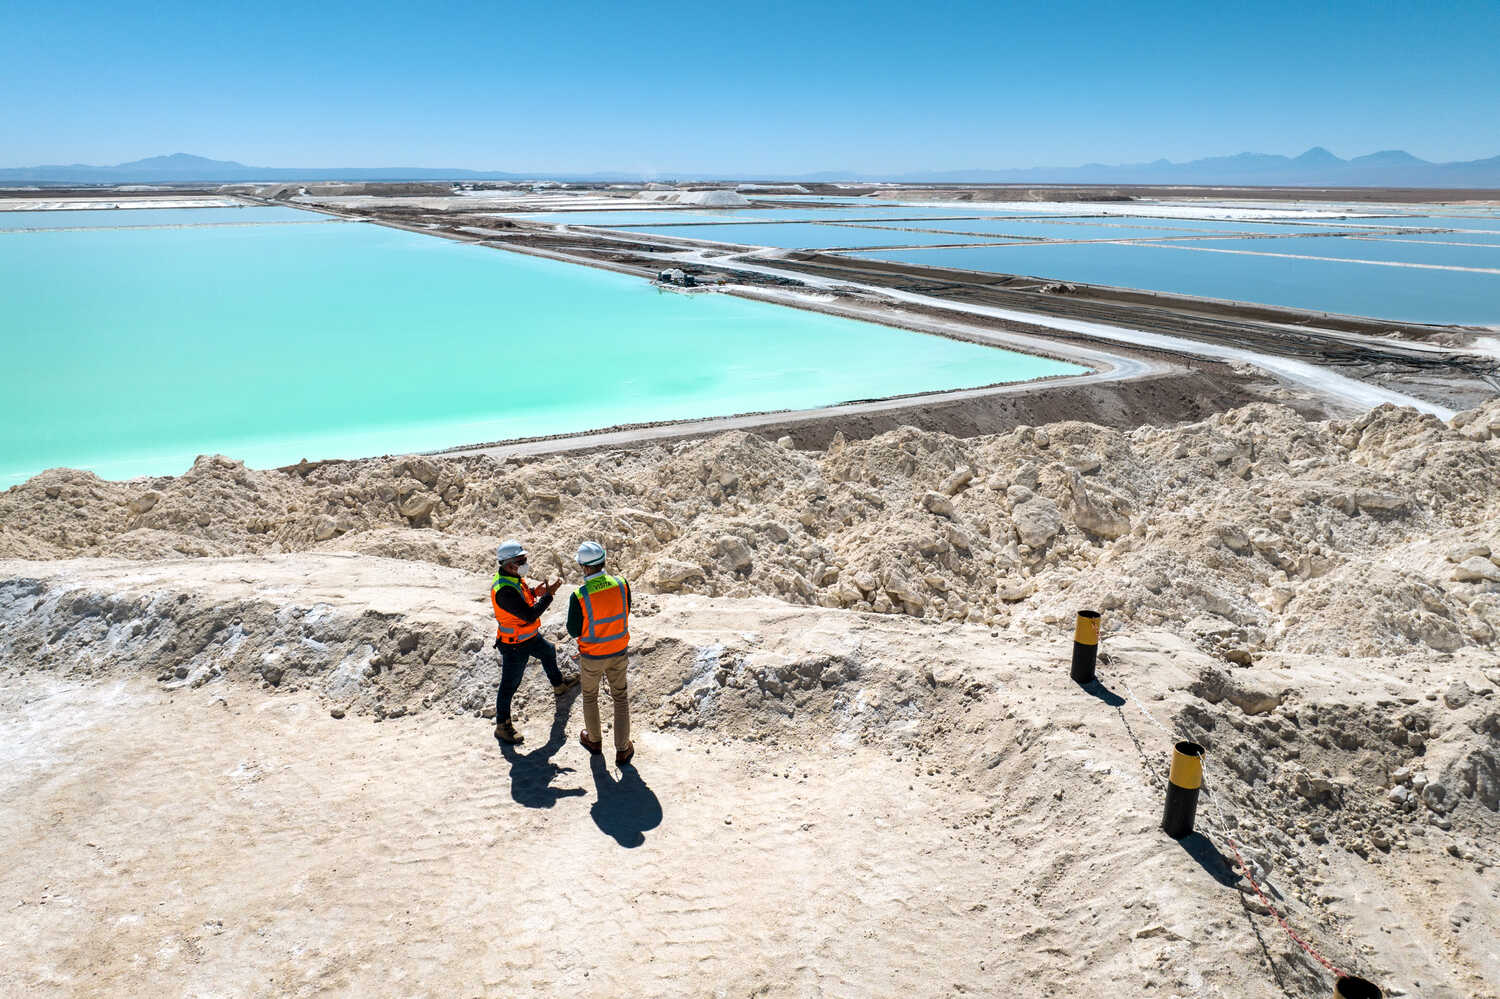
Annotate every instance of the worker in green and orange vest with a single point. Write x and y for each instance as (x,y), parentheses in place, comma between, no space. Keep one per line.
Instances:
(518,622)
(599,617)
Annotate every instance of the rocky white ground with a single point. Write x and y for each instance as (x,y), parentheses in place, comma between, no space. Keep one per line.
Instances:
(245,750)
(1253,531)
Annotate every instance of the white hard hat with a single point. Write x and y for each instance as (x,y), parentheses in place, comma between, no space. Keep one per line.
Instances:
(509,549)
(590,553)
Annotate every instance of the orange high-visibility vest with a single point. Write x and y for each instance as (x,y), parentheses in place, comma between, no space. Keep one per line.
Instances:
(512,630)
(604,601)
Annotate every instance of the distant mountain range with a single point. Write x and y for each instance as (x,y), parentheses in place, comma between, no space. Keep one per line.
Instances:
(1315,168)
(183,168)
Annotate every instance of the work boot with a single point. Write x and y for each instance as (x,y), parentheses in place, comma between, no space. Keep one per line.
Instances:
(625,755)
(561,689)
(506,733)
(593,747)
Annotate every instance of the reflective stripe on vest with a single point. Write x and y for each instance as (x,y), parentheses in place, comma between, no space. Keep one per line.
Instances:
(606,616)
(510,629)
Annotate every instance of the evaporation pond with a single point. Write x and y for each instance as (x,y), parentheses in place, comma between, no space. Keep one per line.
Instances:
(1397,251)
(1404,294)
(1074,229)
(1480,223)
(108,218)
(806,236)
(1474,238)
(131,351)
(677,216)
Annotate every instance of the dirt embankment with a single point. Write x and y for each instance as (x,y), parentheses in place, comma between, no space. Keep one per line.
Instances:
(945,780)
(1086,193)
(1173,396)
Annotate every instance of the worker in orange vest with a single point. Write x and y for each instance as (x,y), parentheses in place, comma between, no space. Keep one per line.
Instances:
(599,617)
(518,622)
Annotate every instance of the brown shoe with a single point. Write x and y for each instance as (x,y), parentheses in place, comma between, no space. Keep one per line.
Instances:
(625,755)
(593,747)
(506,733)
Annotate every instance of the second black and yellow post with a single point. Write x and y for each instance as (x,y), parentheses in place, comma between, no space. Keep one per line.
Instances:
(1183,783)
(1349,987)
(1085,646)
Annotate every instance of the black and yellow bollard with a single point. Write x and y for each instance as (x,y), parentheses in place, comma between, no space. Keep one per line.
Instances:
(1183,782)
(1350,987)
(1085,646)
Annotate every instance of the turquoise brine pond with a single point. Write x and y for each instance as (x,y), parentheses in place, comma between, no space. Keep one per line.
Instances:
(125,217)
(131,352)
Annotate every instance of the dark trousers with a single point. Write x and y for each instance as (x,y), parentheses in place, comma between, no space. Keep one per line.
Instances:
(513,665)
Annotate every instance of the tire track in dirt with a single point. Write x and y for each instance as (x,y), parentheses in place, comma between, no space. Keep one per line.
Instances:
(258,844)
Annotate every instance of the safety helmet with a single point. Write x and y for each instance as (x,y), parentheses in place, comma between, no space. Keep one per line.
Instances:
(590,553)
(510,549)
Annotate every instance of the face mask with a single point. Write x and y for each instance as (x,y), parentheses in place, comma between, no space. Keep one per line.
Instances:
(522,569)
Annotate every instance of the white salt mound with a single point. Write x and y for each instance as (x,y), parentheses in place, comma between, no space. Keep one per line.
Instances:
(709,199)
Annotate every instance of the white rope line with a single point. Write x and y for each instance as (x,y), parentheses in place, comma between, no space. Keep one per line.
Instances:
(1149,716)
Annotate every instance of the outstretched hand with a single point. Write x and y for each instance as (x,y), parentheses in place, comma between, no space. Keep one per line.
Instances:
(552,587)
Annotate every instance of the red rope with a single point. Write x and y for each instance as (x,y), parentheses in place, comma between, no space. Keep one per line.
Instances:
(1244,867)
(1245,870)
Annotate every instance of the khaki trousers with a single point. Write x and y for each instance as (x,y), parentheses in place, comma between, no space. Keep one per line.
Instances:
(591,671)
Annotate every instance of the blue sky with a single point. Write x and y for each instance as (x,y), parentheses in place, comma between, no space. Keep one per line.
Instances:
(764,87)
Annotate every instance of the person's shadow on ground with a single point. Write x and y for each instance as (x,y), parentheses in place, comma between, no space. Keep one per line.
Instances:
(531,774)
(626,807)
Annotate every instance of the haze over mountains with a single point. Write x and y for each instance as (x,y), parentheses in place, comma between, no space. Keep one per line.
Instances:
(1316,167)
